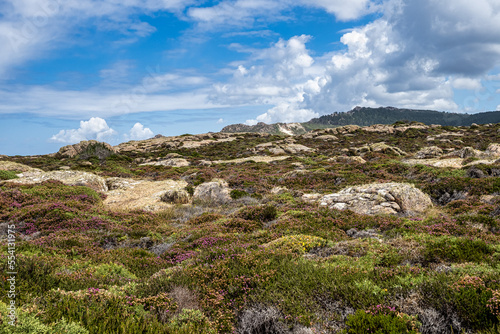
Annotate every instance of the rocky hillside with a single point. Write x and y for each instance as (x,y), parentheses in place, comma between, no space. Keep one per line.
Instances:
(382,228)
(275,129)
(370,116)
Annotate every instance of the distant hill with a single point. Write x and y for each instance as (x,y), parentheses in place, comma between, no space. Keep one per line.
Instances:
(368,116)
(389,115)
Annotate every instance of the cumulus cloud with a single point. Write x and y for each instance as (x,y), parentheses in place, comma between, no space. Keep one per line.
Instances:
(139,132)
(415,55)
(95,128)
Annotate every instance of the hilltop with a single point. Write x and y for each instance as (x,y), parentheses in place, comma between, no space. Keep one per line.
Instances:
(390,228)
(363,116)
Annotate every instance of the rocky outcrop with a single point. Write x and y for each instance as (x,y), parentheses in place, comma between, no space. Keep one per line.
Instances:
(257,158)
(429,153)
(87,149)
(72,178)
(175,162)
(378,147)
(379,198)
(290,129)
(129,194)
(282,147)
(493,150)
(175,142)
(348,159)
(17,167)
(214,192)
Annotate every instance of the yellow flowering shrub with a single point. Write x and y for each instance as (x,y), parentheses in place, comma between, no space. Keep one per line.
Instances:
(299,243)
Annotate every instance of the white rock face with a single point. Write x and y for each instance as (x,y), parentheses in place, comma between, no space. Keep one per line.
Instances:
(379,198)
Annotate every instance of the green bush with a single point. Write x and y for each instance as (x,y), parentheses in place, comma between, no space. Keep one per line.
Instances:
(457,250)
(235,194)
(191,321)
(7,175)
(381,320)
(28,324)
(113,270)
(258,213)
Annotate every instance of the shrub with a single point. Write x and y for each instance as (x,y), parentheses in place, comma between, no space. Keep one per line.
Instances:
(258,213)
(29,323)
(113,270)
(191,321)
(457,249)
(297,243)
(381,320)
(235,194)
(7,175)
(241,225)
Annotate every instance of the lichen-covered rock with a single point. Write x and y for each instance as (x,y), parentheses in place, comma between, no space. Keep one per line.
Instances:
(216,191)
(72,178)
(86,149)
(379,198)
(429,153)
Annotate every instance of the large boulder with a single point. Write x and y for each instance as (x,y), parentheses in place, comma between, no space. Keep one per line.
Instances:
(87,149)
(216,192)
(379,198)
(72,178)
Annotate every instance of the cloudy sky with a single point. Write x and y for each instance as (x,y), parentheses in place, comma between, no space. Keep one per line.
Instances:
(118,70)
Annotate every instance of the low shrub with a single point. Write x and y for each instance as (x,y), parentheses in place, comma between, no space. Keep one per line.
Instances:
(7,175)
(258,213)
(297,243)
(457,250)
(381,320)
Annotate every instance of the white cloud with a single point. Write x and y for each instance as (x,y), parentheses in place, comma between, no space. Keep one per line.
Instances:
(95,128)
(467,83)
(385,62)
(343,10)
(31,28)
(139,132)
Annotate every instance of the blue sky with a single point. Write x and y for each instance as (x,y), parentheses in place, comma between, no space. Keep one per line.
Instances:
(127,70)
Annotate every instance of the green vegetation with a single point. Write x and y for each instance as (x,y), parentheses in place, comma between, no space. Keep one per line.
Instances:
(268,261)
